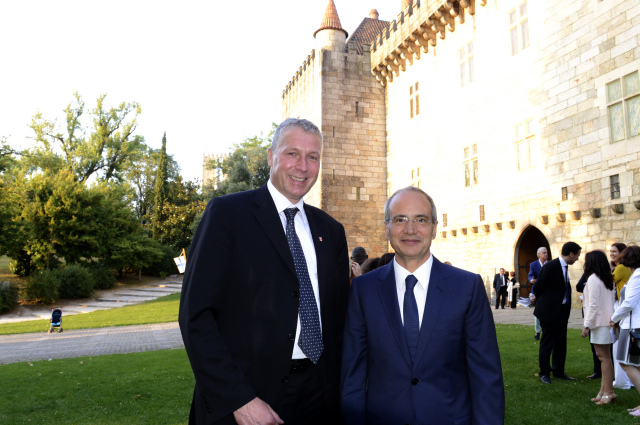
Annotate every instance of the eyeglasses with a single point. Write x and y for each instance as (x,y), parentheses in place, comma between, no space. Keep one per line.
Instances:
(420,222)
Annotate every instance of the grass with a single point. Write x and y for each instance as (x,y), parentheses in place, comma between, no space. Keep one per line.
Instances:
(156,388)
(529,402)
(160,310)
(140,388)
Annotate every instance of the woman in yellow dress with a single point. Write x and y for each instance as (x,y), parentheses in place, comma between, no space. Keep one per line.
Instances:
(621,275)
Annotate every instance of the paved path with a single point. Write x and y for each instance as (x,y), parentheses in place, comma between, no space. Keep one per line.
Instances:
(89,342)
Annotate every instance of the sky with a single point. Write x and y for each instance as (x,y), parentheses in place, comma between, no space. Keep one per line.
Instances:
(209,73)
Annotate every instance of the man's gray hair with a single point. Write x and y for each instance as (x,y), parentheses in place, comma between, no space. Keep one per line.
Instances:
(434,212)
(540,250)
(291,123)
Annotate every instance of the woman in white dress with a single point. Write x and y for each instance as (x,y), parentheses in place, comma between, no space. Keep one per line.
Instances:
(599,296)
(627,316)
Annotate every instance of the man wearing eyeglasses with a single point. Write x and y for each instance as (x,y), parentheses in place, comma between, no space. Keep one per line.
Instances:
(420,344)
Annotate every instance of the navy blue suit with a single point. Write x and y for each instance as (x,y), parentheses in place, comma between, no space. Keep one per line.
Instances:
(534,270)
(456,377)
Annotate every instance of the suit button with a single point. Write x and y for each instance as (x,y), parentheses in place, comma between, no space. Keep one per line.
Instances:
(414,381)
(284,380)
(292,337)
(296,294)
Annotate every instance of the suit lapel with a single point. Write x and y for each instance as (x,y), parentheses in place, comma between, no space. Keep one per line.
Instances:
(318,230)
(267,216)
(389,298)
(435,300)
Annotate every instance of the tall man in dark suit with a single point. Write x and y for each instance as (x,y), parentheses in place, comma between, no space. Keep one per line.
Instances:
(264,297)
(500,281)
(534,272)
(420,343)
(553,306)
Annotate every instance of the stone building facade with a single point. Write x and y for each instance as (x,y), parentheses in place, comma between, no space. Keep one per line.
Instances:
(520,118)
(211,174)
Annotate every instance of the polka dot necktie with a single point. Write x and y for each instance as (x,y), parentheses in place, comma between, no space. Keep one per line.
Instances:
(310,341)
(410,314)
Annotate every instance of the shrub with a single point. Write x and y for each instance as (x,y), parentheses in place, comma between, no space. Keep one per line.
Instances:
(43,286)
(103,277)
(9,294)
(75,282)
(165,265)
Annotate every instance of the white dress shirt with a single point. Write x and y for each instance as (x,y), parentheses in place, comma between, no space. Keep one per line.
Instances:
(304,234)
(422,273)
(565,273)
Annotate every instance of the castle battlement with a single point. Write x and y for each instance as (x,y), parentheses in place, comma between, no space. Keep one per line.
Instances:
(416,29)
(307,64)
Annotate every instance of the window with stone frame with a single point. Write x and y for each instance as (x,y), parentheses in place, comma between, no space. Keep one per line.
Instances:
(467,72)
(615,186)
(414,100)
(527,149)
(519,28)
(470,165)
(623,104)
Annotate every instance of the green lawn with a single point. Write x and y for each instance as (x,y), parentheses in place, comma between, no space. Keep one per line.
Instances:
(156,388)
(161,310)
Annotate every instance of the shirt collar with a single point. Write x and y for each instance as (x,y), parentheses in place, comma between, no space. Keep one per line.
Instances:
(282,203)
(422,273)
(562,262)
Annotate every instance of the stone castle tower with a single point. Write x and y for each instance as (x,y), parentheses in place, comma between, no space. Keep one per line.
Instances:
(334,88)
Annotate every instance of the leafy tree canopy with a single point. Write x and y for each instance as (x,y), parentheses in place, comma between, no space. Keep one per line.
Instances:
(246,168)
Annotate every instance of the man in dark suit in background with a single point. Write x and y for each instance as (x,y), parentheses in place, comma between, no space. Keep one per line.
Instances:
(534,272)
(264,297)
(500,281)
(553,306)
(420,342)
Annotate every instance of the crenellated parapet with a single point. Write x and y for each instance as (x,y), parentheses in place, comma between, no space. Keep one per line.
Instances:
(417,28)
(307,66)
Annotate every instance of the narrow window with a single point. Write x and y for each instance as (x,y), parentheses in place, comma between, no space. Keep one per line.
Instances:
(444,220)
(519,28)
(481,212)
(414,100)
(615,186)
(623,103)
(565,193)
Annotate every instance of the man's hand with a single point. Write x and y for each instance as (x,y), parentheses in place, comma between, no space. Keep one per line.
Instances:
(533,281)
(257,412)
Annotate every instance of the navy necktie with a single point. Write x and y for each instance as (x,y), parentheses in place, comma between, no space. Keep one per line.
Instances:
(310,341)
(410,313)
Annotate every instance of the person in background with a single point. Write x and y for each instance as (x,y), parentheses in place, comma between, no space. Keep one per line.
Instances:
(627,316)
(534,272)
(599,297)
(512,290)
(553,307)
(386,258)
(358,257)
(500,282)
(370,264)
(621,275)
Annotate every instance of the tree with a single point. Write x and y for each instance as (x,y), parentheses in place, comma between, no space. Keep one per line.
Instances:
(246,168)
(141,177)
(60,218)
(106,151)
(161,187)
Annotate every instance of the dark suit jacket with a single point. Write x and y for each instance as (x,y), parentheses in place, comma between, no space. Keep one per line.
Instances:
(534,270)
(239,304)
(497,282)
(456,377)
(549,290)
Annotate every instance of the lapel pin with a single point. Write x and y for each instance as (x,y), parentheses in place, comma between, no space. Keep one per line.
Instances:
(320,238)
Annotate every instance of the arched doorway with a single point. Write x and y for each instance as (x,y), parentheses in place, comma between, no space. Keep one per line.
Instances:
(526,252)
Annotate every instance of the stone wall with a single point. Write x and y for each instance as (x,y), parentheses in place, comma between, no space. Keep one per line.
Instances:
(558,84)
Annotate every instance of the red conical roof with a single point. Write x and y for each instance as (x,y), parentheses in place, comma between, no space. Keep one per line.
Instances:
(330,20)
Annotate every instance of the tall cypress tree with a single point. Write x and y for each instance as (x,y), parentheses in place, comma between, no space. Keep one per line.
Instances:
(161,187)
